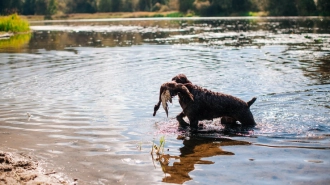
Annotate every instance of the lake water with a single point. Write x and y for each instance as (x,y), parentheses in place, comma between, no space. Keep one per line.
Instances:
(79,96)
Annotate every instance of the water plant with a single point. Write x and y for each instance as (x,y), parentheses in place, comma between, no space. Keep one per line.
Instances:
(139,146)
(13,23)
(159,149)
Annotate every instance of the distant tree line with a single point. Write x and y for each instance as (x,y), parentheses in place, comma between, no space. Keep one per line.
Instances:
(243,7)
(198,7)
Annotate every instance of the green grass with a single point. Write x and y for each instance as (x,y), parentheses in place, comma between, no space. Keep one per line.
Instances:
(13,23)
(256,14)
(175,14)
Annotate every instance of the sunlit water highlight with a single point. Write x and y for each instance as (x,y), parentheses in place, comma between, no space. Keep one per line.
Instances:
(87,106)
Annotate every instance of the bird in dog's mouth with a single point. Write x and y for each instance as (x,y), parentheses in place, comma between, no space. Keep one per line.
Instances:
(167,92)
(165,97)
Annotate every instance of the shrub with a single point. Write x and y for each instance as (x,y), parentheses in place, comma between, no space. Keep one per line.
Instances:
(13,23)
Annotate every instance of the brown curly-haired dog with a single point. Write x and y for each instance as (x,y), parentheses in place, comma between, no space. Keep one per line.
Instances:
(202,104)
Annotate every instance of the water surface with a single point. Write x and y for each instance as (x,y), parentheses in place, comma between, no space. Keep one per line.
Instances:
(90,88)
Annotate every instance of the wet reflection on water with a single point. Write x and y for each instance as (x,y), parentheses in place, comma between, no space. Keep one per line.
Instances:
(15,43)
(193,152)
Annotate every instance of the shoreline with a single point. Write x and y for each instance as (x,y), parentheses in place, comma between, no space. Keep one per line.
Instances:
(5,35)
(19,168)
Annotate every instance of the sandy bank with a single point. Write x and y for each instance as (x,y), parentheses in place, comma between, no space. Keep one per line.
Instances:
(18,168)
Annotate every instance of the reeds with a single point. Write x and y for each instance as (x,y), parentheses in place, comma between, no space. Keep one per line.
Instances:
(13,23)
(160,148)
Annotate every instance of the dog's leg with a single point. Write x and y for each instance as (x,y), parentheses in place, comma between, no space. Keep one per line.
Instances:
(182,123)
(193,124)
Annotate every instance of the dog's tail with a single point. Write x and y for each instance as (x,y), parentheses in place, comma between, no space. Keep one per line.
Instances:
(251,101)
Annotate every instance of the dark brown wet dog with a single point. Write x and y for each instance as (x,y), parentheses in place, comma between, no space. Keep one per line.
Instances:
(206,104)
(182,78)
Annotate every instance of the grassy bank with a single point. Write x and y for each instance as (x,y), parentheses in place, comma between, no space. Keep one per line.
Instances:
(13,23)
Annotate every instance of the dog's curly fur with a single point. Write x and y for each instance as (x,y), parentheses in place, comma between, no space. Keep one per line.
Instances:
(207,105)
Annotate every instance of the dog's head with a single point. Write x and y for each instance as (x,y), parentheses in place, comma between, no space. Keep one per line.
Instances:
(181,78)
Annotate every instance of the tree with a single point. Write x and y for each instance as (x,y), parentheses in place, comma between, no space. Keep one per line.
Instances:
(323,7)
(10,6)
(52,7)
(128,6)
(282,8)
(258,5)
(185,5)
(214,7)
(116,5)
(40,7)
(105,6)
(306,7)
(82,6)
(145,5)
(222,7)
(240,5)
(29,7)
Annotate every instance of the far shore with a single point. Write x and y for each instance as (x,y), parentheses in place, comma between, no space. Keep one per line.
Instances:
(144,15)
(100,15)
